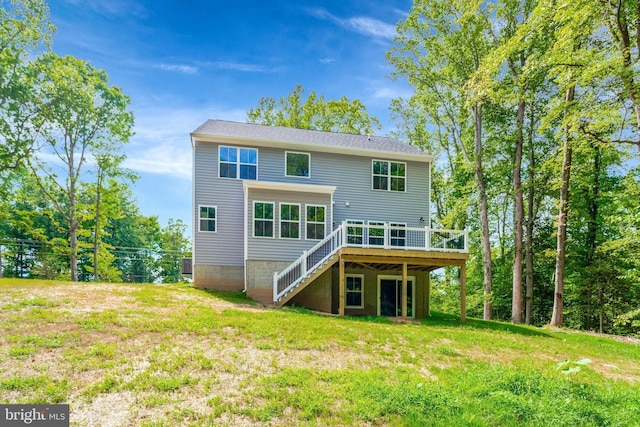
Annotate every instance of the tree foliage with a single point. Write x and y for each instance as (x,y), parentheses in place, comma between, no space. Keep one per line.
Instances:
(552,80)
(314,112)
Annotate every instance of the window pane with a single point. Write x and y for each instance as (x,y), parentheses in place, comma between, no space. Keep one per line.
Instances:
(354,299)
(248,172)
(397,169)
(297,164)
(315,231)
(268,229)
(380,168)
(228,154)
(380,182)
(248,156)
(228,170)
(397,184)
(295,213)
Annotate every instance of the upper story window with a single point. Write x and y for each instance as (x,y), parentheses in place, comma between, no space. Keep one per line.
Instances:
(297,164)
(262,219)
(207,218)
(237,162)
(389,176)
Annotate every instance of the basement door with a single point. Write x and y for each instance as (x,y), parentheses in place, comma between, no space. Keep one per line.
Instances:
(390,296)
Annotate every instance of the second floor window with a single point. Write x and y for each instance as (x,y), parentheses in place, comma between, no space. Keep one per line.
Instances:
(239,163)
(389,176)
(297,164)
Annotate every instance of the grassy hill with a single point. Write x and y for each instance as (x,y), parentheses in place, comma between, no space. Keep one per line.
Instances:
(170,355)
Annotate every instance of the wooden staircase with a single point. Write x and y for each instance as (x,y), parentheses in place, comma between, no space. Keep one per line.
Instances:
(307,279)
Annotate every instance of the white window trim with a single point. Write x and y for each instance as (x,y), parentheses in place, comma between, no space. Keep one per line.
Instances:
(355,223)
(398,224)
(273,220)
(313,222)
(215,220)
(389,176)
(361,276)
(280,220)
(369,236)
(238,163)
(285,164)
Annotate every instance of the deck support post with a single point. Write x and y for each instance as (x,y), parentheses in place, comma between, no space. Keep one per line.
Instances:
(342,292)
(404,290)
(463,293)
(428,296)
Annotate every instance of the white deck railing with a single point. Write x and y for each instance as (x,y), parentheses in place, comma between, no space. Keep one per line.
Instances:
(368,236)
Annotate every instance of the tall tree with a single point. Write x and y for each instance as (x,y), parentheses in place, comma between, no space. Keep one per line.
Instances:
(342,115)
(438,47)
(84,113)
(24,28)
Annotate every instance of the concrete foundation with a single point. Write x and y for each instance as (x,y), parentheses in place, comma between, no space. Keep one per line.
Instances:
(219,277)
(260,279)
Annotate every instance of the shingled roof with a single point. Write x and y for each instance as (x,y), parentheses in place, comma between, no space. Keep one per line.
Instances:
(249,131)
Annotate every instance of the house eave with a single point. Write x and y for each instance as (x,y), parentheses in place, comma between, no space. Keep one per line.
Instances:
(285,186)
(249,141)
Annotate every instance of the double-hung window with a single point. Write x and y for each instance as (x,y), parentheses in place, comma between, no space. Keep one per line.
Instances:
(389,176)
(354,232)
(354,290)
(208,218)
(262,219)
(297,164)
(398,234)
(315,222)
(289,221)
(376,233)
(235,162)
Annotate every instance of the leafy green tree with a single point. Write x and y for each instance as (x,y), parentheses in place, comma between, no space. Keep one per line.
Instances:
(173,246)
(83,114)
(24,29)
(314,112)
(438,47)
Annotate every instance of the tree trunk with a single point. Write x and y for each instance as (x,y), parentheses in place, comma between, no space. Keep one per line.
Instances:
(531,217)
(484,213)
(563,209)
(96,229)
(592,235)
(73,222)
(517,302)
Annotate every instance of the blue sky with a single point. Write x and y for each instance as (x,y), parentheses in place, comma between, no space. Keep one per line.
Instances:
(185,62)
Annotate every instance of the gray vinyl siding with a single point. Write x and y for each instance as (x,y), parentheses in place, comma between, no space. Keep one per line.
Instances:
(353,179)
(350,174)
(276,248)
(226,245)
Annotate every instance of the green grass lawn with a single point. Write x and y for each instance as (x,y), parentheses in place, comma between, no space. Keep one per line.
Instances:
(167,355)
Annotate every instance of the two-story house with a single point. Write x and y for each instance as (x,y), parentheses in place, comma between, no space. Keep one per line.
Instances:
(334,222)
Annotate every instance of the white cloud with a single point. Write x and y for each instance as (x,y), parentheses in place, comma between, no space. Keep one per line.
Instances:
(161,144)
(388,92)
(235,66)
(360,24)
(327,60)
(180,68)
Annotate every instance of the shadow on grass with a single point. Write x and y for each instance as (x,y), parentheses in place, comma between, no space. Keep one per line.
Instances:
(444,319)
(235,297)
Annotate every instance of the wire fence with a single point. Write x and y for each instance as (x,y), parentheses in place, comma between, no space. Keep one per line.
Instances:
(27,258)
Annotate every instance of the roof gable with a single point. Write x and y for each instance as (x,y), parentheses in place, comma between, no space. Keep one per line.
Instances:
(305,137)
